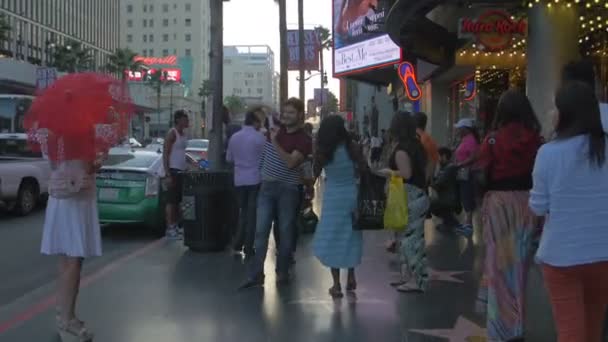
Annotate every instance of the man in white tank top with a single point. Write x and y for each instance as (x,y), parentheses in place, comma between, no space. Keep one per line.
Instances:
(174,161)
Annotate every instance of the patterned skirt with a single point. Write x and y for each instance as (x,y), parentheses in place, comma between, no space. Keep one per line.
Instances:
(509,233)
(412,251)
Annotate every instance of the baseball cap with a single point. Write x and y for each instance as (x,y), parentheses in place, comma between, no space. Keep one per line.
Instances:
(465,123)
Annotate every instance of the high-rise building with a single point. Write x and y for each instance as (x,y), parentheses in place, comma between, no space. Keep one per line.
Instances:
(249,74)
(38,26)
(169,30)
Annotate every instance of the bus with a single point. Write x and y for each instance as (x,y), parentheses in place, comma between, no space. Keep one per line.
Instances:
(12,111)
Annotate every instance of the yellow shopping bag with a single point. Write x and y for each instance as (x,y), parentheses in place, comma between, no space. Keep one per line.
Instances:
(395,212)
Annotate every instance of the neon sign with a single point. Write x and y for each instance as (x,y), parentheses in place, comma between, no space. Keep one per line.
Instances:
(169,60)
(407,75)
(470,89)
(494,30)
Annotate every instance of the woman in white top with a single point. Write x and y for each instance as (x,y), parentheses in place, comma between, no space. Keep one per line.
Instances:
(71,231)
(571,189)
(174,161)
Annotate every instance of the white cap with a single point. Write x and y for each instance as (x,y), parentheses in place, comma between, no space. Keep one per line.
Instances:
(465,123)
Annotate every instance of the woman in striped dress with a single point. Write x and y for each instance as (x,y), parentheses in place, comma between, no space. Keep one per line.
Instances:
(335,243)
(509,226)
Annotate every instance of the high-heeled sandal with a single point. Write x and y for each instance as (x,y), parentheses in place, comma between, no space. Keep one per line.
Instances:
(74,331)
(351,286)
(336,292)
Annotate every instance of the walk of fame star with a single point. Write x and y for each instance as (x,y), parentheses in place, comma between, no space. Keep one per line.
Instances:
(448,276)
(463,331)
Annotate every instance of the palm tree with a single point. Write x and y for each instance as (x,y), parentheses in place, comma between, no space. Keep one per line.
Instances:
(72,57)
(283,83)
(157,81)
(5,29)
(122,61)
(204,92)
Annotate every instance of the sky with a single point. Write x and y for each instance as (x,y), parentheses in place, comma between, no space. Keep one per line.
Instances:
(256,22)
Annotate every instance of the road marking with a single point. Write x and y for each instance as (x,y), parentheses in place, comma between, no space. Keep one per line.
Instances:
(50,301)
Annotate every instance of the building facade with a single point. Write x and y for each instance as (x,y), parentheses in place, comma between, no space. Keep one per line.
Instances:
(164,28)
(249,74)
(38,26)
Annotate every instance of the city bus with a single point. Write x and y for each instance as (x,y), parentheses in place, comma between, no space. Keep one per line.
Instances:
(12,111)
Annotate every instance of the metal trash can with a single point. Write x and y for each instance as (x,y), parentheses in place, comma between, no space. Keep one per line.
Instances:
(208,210)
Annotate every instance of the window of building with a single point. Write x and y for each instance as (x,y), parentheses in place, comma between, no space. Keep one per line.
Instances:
(151,22)
(188,22)
(145,8)
(260,91)
(145,22)
(188,7)
(145,38)
(188,37)
(188,52)
(165,37)
(145,52)
(260,74)
(249,91)
(174,6)
(151,38)
(174,21)
(249,75)
(165,22)
(129,38)
(129,23)
(175,36)
(151,8)
(175,51)
(165,52)
(129,8)
(165,8)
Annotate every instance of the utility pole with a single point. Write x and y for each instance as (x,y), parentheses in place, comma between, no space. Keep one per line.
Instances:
(216,60)
(284,55)
(322,84)
(301,52)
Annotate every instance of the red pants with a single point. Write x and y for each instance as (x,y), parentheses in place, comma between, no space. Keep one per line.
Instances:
(579,297)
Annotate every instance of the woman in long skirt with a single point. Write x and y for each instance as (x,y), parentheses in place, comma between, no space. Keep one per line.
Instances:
(408,161)
(509,226)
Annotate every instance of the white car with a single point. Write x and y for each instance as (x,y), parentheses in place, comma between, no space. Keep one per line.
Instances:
(24,174)
(198,148)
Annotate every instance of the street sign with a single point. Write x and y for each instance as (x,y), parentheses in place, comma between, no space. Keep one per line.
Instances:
(45,76)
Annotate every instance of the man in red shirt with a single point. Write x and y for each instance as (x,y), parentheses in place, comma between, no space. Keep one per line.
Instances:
(280,196)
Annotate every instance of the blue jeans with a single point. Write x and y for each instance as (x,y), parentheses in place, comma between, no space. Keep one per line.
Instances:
(281,200)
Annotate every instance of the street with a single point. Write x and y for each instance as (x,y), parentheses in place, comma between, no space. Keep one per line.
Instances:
(23,269)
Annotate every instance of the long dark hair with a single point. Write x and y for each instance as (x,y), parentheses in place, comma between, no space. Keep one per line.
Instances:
(514,106)
(332,133)
(403,128)
(579,114)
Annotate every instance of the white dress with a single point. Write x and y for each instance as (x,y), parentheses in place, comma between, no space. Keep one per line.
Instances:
(71,224)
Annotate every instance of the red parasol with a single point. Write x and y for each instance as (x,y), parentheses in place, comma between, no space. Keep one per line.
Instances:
(79,116)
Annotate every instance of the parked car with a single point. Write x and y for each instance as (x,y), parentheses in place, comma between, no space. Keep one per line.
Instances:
(24,174)
(198,148)
(129,188)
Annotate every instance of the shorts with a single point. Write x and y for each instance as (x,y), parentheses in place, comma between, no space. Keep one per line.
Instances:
(175,190)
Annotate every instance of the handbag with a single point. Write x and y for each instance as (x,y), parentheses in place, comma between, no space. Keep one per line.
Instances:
(368,213)
(396,211)
(69,181)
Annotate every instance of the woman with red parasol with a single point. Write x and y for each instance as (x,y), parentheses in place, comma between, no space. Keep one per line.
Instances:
(74,123)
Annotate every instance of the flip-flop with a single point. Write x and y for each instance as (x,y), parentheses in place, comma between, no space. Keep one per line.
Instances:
(398,283)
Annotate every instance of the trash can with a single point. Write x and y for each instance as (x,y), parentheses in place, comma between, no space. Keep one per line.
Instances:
(209,210)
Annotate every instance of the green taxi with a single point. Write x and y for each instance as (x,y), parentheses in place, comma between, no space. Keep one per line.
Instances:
(129,189)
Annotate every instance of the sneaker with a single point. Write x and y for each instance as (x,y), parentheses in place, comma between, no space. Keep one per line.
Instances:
(173,234)
(465,230)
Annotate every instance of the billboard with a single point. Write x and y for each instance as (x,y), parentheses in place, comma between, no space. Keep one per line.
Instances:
(311,50)
(169,74)
(360,41)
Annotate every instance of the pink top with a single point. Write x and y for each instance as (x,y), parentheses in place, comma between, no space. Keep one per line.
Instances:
(466,148)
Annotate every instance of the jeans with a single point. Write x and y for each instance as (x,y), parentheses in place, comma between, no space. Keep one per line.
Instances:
(296,235)
(247,198)
(579,299)
(280,200)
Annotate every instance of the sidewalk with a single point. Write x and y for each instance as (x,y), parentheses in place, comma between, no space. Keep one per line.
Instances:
(166,293)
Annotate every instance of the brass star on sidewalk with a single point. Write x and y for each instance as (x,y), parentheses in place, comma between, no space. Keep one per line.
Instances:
(448,276)
(463,331)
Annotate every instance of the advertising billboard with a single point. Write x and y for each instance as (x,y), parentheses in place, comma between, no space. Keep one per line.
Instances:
(169,74)
(360,41)
(173,68)
(311,50)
